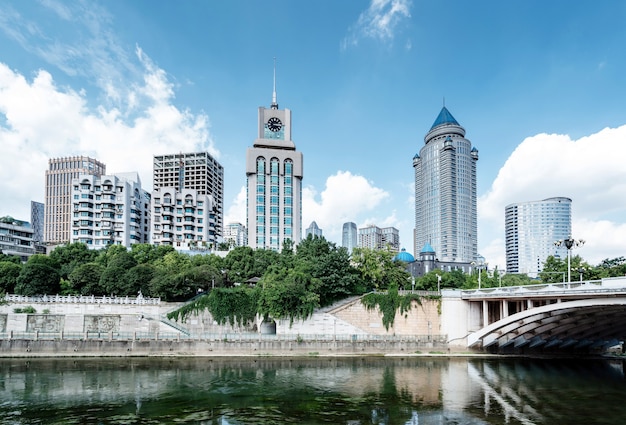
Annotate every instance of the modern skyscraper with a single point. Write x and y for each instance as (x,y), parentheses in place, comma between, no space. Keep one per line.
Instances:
(445,192)
(110,209)
(314,230)
(274,181)
(37,214)
(349,236)
(58,202)
(531,228)
(198,171)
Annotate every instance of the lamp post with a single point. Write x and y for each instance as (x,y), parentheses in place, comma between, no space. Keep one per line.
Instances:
(438,283)
(569,243)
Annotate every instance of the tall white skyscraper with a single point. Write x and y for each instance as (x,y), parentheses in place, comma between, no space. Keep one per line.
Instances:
(274,181)
(445,192)
(531,228)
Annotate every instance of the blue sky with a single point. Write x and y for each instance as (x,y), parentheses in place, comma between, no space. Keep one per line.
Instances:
(540,88)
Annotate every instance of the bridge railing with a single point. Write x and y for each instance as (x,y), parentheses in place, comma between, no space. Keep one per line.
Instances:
(611,285)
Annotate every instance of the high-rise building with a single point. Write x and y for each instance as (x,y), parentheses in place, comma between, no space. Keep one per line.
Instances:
(445,192)
(58,202)
(198,171)
(531,228)
(274,181)
(313,230)
(373,237)
(183,219)
(235,234)
(110,210)
(37,214)
(349,236)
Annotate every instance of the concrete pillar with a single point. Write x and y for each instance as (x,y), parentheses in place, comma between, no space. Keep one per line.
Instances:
(485,313)
(505,309)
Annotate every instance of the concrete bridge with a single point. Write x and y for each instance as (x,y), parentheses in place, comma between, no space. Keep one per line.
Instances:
(569,317)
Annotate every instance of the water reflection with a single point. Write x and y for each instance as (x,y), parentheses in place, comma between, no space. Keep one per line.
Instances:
(351,391)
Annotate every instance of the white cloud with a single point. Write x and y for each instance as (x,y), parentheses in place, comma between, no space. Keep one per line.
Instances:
(589,170)
(346,197)
(236,213)
(39,120)
(379,22)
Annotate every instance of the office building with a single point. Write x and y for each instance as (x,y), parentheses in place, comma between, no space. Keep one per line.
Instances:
(235,234)
(58,202)
(531,228)
(110,210)
(198,171)
(313,230)
(349,236)
(445,192)
(274,181)
(374,237)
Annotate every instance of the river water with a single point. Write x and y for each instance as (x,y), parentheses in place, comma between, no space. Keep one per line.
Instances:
(350,391)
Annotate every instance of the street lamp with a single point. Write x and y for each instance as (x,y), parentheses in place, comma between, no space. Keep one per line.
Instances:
(569,243)
(438,283)
(479,267)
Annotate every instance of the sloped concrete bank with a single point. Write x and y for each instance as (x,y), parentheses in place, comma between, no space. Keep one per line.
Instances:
(143,348)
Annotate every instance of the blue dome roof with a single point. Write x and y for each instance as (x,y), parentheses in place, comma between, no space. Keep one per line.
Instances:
(404,256)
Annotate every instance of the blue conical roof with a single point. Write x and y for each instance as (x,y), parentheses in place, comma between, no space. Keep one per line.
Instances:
(427,249)
(444,117)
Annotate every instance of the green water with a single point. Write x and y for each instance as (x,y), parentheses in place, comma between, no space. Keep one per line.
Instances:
(351,391)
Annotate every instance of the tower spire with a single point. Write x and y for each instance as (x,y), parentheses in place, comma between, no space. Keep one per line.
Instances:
(274,103)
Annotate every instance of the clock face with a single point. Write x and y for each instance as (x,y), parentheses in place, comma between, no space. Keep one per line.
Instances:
(274,124)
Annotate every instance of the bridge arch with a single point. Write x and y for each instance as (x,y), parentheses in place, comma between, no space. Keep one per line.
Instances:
(584,325)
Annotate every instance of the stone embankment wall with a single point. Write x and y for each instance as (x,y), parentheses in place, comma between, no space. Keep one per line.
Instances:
(142,348)
(101,327)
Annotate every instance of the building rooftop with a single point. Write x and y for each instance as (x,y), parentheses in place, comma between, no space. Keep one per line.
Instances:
(444,117)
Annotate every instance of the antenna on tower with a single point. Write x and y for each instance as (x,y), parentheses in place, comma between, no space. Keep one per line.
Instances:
(274,103)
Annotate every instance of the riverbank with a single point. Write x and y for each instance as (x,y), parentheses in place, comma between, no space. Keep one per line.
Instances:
(213,348)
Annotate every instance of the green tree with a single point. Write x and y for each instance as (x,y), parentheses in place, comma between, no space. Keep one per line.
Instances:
(114,278)
(612,267)
(9,272)
(10,258)
(288,293)
(69,256)
(331,265)
(147,253)
(139,278)
(85,279)
(516,279)
(379,270)
(38,276)
(554,270)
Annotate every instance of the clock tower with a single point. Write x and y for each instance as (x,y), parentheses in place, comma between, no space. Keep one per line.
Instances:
(274,181)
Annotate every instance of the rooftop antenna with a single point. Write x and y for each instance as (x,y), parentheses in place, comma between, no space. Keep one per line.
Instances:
(274,103)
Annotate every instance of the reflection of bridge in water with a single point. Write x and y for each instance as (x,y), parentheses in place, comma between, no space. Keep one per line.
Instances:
(566,317)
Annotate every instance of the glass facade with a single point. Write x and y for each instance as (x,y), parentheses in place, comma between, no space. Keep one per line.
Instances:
(531,228)
(445,192)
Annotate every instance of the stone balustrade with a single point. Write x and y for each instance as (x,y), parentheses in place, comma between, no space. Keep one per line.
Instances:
(81,299)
